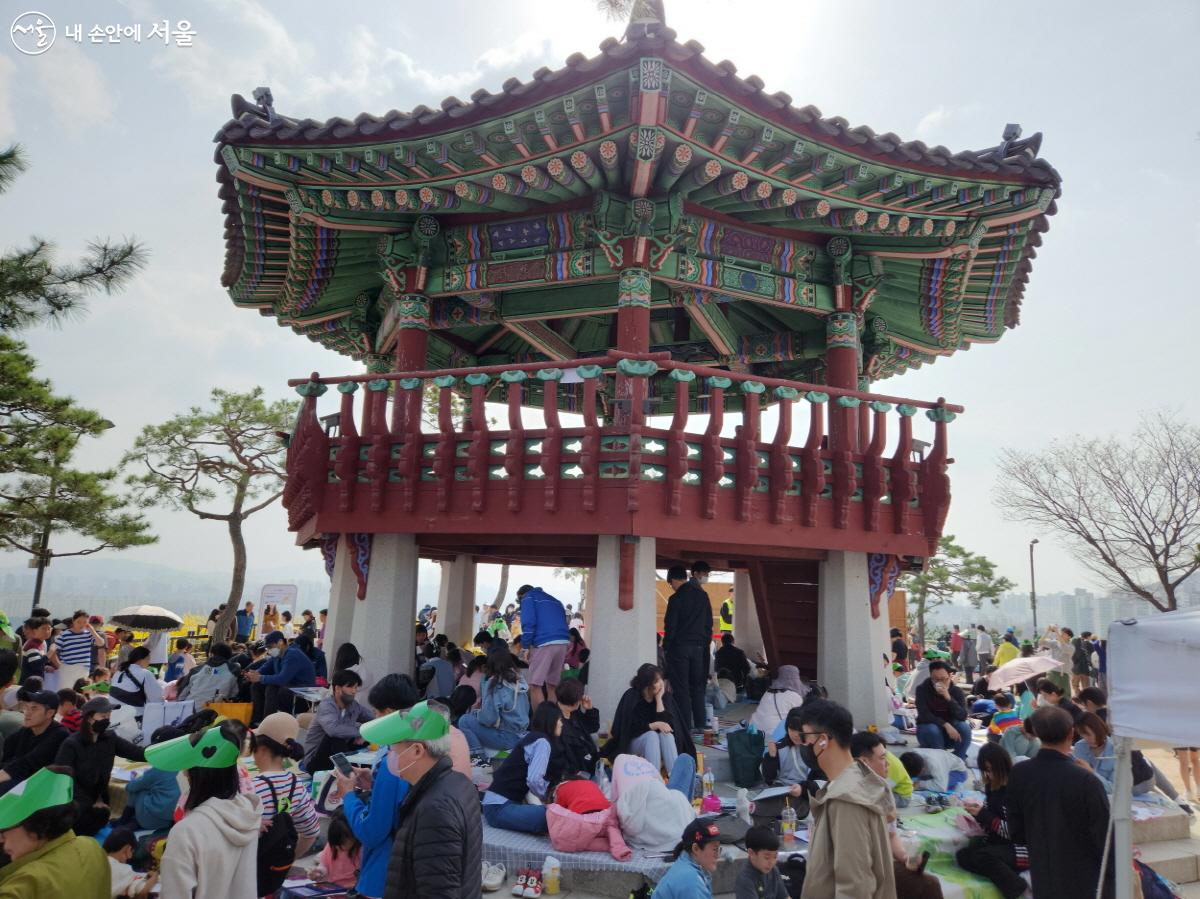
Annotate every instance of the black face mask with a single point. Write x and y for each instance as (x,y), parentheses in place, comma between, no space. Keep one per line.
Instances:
(99,727)
(809,756)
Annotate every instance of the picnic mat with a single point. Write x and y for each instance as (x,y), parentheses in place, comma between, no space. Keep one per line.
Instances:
(941,839)
(523,850)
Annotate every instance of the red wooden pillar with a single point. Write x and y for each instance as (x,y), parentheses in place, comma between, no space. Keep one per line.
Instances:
(412,346)
(633,336)
(841,370)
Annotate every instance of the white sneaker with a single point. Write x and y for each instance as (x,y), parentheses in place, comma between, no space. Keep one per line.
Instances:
(493,877)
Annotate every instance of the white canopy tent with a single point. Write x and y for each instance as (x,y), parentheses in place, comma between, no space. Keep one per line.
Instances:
(1153,669)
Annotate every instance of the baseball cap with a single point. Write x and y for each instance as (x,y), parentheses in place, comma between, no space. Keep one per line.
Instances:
(47,698)
(42,790)
(699,833)
(418,724)
(98,704)
(275,637)
(280,727)
(1010,630)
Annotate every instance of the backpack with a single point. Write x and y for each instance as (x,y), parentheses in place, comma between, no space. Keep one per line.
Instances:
(136,698)
(792,869)
(277,844)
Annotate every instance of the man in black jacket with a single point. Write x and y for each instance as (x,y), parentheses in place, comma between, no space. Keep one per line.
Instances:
(438,849)
(688,627)
(36,744)
(942,712)
(1060,811)
(580,723)
(733,659)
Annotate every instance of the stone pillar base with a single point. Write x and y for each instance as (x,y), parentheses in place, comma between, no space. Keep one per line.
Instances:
(853,647)
(343,600)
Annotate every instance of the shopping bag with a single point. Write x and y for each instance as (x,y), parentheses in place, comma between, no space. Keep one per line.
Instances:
(745,756)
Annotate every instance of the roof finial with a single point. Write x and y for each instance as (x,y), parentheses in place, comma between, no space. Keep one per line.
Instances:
(646,19)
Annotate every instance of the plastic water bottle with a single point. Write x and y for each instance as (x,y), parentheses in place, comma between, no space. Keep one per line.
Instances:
(787,826)
(708,783)
(602,781)
(551,872)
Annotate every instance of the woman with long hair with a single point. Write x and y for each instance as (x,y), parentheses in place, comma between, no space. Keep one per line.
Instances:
(575,646)
(648,722)
(533,766)
(503,715)
(994,855)
(270,620)
(348,658)
(213,849)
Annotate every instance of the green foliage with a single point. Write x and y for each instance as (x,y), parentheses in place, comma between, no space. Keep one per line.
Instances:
(952,573)
(35,290)
(39,432)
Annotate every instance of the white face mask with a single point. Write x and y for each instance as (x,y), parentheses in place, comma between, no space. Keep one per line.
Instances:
(273,652)
(394,765)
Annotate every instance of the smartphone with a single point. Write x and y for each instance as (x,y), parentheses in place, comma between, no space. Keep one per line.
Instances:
(341,763)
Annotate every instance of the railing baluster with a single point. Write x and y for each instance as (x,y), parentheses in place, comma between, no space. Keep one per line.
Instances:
(514,447)
(480,449)
(812,468)
(935,483)
(379,456)
(712,456)
(677,451)
(874,479)
(414,440)
(446,454)
(589,455)
(782,476)
(637,373)
(551,463)
(900,484)
(747,447)
(844,480)
(346,467)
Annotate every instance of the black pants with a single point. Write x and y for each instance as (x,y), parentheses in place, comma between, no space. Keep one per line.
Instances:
(327,747)
(995,861)
(267,699)
(687,669)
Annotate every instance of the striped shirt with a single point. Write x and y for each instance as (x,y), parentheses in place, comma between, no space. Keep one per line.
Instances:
(294,795)
(75,649)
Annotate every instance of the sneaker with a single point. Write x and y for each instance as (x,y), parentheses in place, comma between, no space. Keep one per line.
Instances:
(522,878)
(1187,808)
(533,886)
(493,877)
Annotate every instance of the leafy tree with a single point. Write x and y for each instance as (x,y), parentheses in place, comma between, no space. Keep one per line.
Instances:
(1129,511)
(953,572)
(34,289)
(231,452)
(39,491)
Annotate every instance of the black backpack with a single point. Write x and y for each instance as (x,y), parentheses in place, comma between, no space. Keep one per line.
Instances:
(277,844)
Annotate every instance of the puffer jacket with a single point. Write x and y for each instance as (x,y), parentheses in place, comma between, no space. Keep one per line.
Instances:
(438,851)
(591,832)
(849,851)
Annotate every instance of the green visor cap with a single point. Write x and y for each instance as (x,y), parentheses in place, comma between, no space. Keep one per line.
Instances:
(45,789)
(213,748)
(418,724)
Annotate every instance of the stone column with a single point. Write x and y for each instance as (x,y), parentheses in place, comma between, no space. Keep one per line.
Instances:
(343,600)
(746,631)
(620,640)
(851,644)
(384,622)
(456,600)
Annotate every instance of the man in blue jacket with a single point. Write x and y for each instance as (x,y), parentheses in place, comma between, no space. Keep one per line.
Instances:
(286,667)
(544,635)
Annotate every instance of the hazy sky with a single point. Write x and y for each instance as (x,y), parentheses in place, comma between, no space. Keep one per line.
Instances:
(119,138)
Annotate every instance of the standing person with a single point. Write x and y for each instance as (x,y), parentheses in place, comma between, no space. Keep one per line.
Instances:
(74,648)
(285,625)
(181,661)
(544,634)
(995,855)
(438,850)
(213,851)
(322,621)
(245,623)
(36,744)
(688,627)
(90,755)
(1081,662)
(270,620)
(308,624)
(849,852)
(942,712)
(968,656)
(695,859)
(899,649)
(35,650)
(1060,812)
(956,642)
(335,726)
(271,744)
(984,648)
(46,858)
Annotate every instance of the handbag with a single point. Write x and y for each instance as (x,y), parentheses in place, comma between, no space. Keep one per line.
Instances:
(745,756)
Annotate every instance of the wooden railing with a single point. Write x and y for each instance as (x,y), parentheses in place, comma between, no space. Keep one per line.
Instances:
(388,464)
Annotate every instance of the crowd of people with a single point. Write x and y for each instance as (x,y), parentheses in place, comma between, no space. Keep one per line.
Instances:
(223,808)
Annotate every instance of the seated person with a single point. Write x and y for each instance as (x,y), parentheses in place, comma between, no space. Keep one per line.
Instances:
(650,812)
(935,770)
(1020,742)
(1094,700)
(871,748)
(90,755)
(529,768)
(69,714)
(980,689)
(759,877)
(694,858)
(783,765)
(1050,693)
(127,883)
(942,712)
(214,681)
(334,728)
(785,693)
(581,723)
(1006,716)
(995,857)
(36,744)
(732,659)
(503,715)
(153,794)
(648,723)
(438,674)
(287,667)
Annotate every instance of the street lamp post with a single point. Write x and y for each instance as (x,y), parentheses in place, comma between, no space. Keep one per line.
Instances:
(1033,586)
(43,555)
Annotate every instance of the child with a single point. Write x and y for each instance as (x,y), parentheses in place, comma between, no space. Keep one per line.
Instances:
(934,769)
(759,878)
(1006,716)
(69,714)
(99,680)
(341,858)
(695,859)
(119,846)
